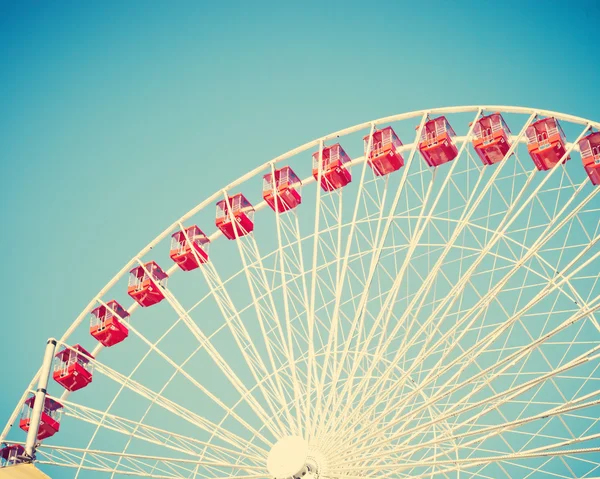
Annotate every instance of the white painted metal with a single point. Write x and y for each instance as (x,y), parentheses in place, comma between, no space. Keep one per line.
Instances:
(429,323)
(287,457)
(40,397)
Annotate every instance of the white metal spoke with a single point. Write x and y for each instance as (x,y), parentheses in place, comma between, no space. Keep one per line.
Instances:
(167,404)
(454,295)
(144,432)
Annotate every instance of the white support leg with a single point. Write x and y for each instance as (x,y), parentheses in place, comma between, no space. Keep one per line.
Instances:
(40,397)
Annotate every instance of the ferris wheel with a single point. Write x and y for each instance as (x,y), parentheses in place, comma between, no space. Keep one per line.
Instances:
(412,297)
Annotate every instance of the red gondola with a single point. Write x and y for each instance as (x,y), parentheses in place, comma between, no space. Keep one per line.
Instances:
(106,324)
(334,167)
(50,420)
(181,248)
(590,156)
(242,212)
(546,143)
(146,283)
(72,370)
(491,138)
(384,156)
(437,142)
(10,455)
(285,189)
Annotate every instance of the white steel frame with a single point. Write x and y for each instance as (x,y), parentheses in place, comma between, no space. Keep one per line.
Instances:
(356,351)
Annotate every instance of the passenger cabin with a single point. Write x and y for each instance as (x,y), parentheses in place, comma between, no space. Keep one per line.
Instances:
(235,216)
(334,167)
(437,142)
(72,369)
(384,154)
(281,189)
(11,455)
(146,283)
(107,324)
(189,249)
(491,138)
(590,156)
(546,143)
(49,421)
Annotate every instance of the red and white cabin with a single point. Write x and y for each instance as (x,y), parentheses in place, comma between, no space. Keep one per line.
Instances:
(437,142)
(190,252)
(50,420)
(384,156)
(589,147)
(281,189)
(72,370)
(10,455)
(107,324)
(334,169)
(546,143)
(145,284)
(491,138)
(238,208)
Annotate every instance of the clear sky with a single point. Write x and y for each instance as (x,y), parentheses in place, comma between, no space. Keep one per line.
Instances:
(117,117)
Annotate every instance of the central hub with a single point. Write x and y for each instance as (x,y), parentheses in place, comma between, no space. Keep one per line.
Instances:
(289,459)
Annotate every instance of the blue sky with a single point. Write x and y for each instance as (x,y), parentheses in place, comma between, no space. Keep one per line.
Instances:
(104,102)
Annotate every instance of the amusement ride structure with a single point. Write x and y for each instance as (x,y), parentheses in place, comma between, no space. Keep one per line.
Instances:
(412,297)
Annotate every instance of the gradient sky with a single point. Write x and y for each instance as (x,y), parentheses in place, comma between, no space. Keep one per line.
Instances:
(117,117)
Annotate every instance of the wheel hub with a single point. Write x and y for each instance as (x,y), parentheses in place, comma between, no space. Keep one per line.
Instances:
(290,458)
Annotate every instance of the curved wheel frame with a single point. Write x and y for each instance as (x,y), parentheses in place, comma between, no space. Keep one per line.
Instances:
(287,413)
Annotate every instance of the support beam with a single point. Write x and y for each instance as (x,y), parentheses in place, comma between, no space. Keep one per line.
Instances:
(40,397)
